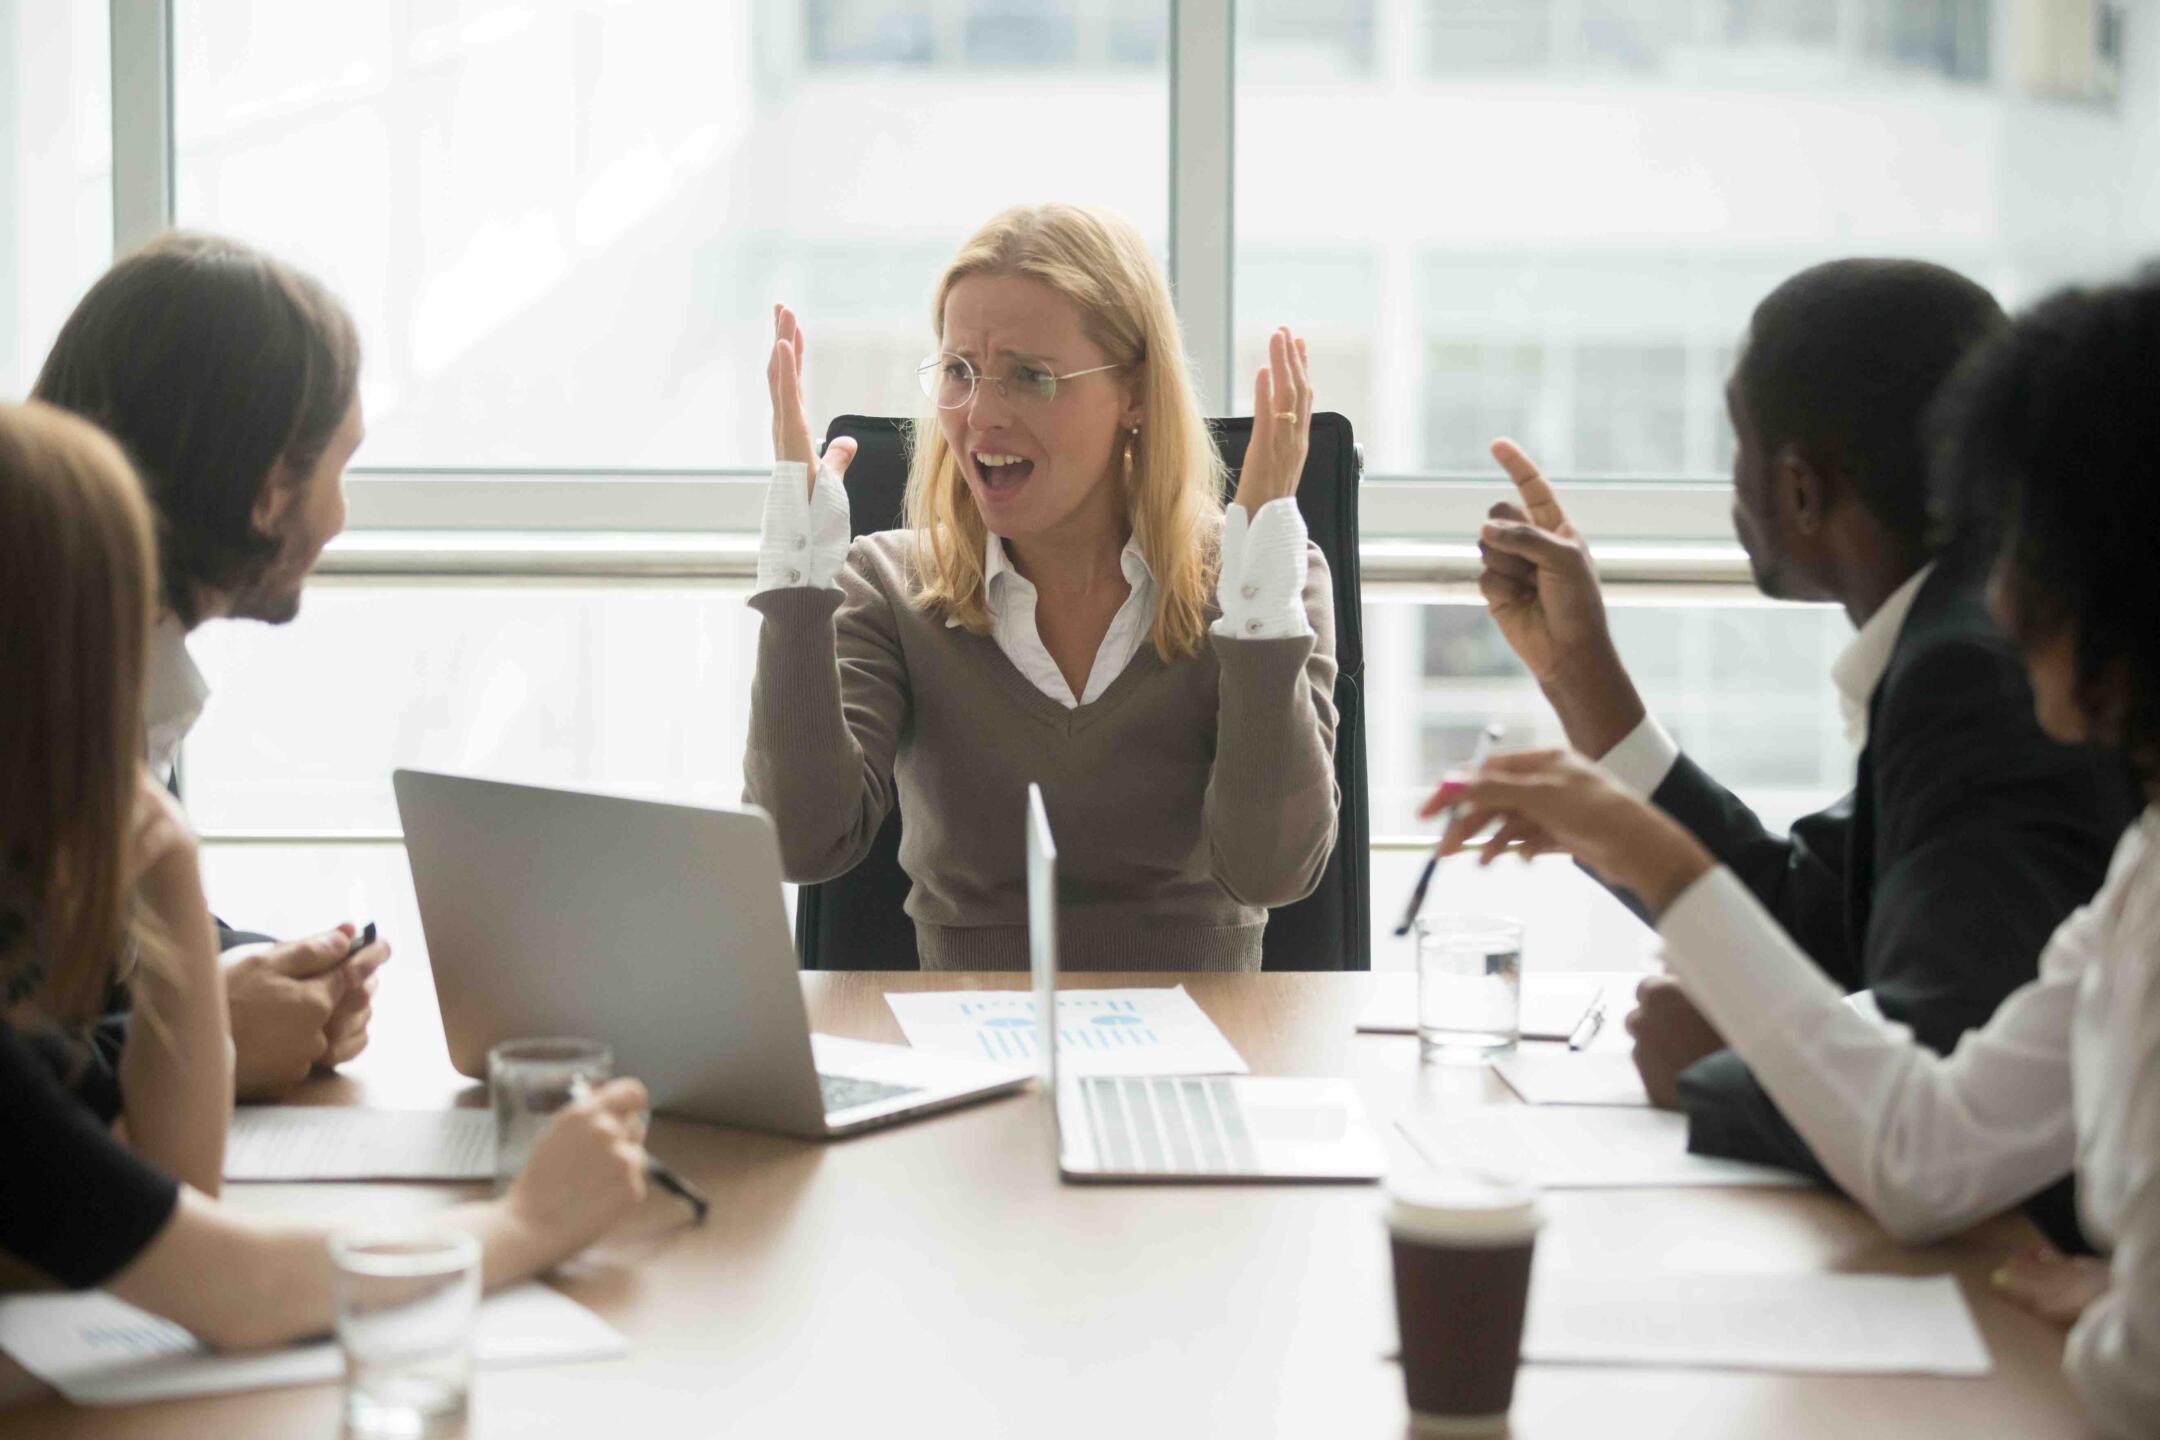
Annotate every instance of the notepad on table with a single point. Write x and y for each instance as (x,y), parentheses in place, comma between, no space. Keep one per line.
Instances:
(1553,1001)
(1590,1148)
(1812,1324)
(97,1350)
(332,1142)
(1573,1077)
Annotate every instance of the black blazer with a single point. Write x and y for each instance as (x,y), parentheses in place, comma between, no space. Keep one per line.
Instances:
(1967,838)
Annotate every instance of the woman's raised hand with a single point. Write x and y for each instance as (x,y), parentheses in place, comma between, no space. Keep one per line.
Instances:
(790,421)
(1282,425)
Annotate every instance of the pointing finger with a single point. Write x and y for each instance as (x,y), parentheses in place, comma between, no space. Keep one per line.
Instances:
(1530,483)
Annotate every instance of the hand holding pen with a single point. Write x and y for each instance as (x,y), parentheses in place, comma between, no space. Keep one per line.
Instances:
(657,1170)
(1486,740)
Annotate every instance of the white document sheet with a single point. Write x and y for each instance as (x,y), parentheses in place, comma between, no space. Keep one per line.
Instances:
(1580,1148)
(97,1350)
(1813,1324)
(1573,1077)
(1553,1001)
(337,1142)
(1100,1032)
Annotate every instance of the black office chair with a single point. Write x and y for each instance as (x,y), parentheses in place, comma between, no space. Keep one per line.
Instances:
(857,921)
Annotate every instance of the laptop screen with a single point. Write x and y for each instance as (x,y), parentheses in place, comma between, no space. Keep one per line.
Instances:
(1042,932)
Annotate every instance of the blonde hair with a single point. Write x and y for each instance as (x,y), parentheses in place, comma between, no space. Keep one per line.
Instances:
(78,587)
(1173,487)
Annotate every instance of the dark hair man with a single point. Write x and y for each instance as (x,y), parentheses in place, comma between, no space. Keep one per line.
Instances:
(232,382)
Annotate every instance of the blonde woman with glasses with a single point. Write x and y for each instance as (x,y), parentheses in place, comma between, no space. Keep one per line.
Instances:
(1068,603)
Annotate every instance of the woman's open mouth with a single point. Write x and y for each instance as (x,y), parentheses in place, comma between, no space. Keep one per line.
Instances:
(1001,474)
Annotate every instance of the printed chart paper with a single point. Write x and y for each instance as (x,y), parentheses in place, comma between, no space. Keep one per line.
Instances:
(97,1350)
(1811,1324)
(1100,1032)
(337,1142)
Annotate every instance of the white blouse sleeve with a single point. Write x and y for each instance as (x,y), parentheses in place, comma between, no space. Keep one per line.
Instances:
(803,539)
(2113,1356)
(1264,564)
(1929,1144)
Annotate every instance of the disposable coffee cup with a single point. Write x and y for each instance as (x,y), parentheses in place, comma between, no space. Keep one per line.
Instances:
(1462,1247)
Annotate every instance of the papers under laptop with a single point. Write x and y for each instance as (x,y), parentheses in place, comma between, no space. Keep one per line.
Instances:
(1180,1127)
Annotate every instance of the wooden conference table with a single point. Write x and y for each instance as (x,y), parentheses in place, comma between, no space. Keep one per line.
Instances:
(937,1279)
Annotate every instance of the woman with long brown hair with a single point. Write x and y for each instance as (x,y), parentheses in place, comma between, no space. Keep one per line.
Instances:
(96,863)
(1070,604)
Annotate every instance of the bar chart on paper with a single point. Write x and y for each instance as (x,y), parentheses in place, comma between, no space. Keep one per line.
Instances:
(1100,1032)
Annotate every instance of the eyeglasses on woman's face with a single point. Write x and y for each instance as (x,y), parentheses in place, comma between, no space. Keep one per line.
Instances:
(950,380)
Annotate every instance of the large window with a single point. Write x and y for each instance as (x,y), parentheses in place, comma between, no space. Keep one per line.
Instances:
(55,173)
(1560,212)
(563,223)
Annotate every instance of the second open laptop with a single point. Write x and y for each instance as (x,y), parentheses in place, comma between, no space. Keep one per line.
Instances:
(659,930)
(1181,1127)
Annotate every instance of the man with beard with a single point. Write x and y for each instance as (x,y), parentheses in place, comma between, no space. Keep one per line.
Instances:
(232,382)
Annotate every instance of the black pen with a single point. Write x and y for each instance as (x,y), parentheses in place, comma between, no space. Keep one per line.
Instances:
(1487,738)
(361,941)
(657,1170)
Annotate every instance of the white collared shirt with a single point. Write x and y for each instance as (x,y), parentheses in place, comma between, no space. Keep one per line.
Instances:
(1011,597)
(174,693)
(1643,759)
(804,541)
(1859,667)
(2066,1071)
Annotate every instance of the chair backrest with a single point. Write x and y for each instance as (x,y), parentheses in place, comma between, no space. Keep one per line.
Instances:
(857,921)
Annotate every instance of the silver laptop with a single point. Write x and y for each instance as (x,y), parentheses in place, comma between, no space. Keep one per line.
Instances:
(1181,1127)
(658,929)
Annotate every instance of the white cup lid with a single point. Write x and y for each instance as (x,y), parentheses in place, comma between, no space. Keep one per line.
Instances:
(1463,1208)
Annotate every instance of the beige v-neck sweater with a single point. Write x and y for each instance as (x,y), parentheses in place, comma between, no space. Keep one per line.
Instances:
(1186,799)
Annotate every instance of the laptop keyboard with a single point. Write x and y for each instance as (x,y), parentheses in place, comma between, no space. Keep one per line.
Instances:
(1165,1125)
(845,1092)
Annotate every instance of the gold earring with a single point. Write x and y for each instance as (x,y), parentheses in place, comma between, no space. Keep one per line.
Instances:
(1132,438)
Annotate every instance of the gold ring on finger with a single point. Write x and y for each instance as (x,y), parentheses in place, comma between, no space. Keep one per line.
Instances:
(1288,417)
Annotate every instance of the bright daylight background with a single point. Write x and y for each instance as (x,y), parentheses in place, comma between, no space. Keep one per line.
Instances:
(561,222)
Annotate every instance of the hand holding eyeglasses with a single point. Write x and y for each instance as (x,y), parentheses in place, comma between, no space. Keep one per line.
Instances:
(1282,425)
(790,421)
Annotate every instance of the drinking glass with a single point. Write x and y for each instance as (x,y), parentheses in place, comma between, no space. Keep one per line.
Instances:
(1469,987)
(528,1081)
(406,1301)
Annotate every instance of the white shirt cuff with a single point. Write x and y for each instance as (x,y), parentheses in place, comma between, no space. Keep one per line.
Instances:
(803,539)
(1264,566)
(1642,760)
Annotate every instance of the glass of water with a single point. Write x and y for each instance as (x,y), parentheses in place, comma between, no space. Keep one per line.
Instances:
(406,1302)
(1469,987)
(528,1081)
